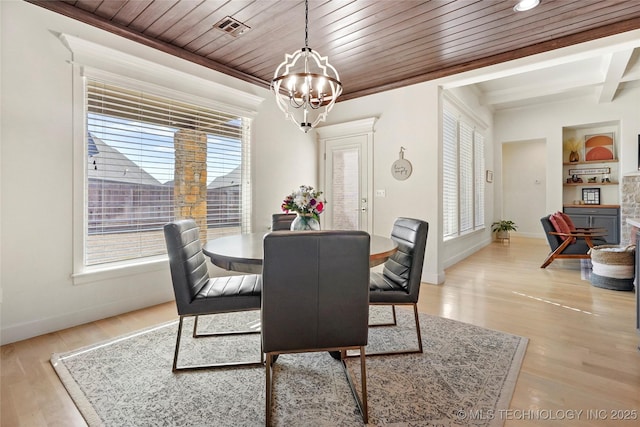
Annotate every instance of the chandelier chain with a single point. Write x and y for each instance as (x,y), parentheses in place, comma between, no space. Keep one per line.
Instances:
(306,23)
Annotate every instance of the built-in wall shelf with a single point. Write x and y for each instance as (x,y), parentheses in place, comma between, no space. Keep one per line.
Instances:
(593,162)
(599,143)
(588,184)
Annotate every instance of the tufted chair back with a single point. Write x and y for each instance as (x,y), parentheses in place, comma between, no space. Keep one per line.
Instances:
(404,268)
(187,262)
(282,221)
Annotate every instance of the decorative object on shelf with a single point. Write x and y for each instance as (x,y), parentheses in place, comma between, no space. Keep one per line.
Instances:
(573,146)
(502,228)
(574,156)
(307,204)
(401,168)
(591,171)
(311,84)
(591,196)
(489,176)
(599,147)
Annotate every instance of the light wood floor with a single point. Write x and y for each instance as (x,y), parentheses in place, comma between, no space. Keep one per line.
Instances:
(582,353)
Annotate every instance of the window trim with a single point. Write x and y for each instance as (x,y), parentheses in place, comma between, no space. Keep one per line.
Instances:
(97,61)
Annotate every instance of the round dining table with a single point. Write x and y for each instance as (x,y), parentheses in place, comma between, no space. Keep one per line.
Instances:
(244,252)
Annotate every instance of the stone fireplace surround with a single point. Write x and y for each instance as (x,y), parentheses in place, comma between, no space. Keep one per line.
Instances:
(630,205)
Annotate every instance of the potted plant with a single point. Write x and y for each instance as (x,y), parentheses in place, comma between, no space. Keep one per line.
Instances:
(503,227)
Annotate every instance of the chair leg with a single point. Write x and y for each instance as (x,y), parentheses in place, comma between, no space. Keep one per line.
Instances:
(394,322)
(555,253)
(269,388)
(417,320)
(418,335)
(360,402)
(214,365)
(195,327)
(255,330)
(175,354)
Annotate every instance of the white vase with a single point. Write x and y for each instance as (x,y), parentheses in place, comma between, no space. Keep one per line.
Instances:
(305,222)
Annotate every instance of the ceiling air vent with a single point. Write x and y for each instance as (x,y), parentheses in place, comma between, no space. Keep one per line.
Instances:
(231,26)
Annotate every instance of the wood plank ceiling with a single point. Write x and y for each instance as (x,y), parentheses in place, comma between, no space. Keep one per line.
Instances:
(374,45)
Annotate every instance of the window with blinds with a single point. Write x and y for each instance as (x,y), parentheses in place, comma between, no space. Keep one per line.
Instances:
(463,175)
(152,159)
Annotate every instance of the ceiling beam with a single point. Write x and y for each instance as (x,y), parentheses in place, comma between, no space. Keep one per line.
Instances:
(541,89)
(615,65)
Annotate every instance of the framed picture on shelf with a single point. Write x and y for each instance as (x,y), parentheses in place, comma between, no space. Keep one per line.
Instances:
(599,147)
(591,196)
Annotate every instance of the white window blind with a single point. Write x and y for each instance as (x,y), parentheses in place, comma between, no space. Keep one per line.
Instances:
(479,172)
(133,141)
(466,197)
(450,174)
(463,175)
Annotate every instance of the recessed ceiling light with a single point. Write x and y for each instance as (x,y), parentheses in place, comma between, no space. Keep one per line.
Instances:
(524,5)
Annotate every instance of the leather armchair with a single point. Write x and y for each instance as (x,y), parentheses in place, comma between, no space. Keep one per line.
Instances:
(198,294)
(315,297)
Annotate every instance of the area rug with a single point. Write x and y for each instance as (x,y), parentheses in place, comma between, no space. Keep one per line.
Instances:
(465,377)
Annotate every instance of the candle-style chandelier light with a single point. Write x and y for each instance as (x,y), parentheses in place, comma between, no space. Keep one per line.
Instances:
(306,86)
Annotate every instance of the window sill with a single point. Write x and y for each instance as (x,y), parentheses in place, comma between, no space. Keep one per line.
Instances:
(464,235)
(121,269)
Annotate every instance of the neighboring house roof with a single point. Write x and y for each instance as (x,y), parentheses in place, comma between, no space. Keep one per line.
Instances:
(233,178)
(107,163)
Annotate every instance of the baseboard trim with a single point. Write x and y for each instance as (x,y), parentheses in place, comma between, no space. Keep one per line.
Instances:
(47,325)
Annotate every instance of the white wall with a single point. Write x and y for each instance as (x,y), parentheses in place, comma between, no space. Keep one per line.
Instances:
(36,175)
(407,117)
(545,122)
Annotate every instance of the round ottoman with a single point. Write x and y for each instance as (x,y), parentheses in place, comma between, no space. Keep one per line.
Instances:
(613,267)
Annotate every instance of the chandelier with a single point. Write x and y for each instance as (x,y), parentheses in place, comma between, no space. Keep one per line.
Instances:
(306,86)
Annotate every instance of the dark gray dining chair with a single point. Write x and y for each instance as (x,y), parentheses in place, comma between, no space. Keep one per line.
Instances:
(315,297)
(282,221)
(399,282)
(197,294)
